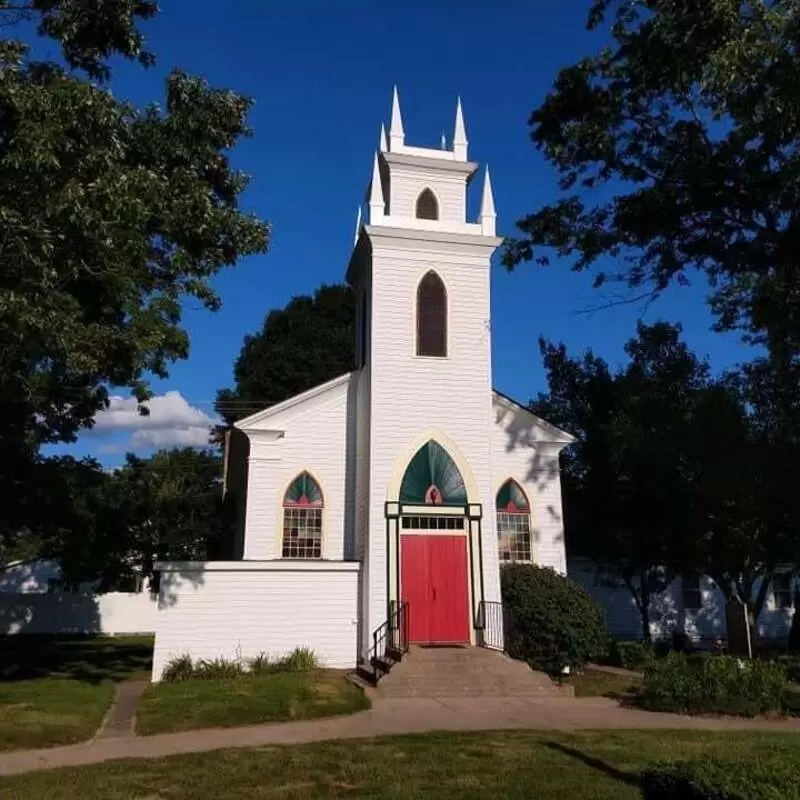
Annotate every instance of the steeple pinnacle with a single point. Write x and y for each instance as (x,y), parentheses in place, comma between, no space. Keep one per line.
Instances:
(396,133)
(358,227)
(377,205)
(460,135)
(383,146)
(488,216)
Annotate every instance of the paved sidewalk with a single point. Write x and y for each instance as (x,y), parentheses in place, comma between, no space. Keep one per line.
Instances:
(387,717)
(121,718)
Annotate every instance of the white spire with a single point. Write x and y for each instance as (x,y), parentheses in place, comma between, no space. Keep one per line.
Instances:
(382,147)
(460,135)
(358,226)
(443,142)
(396,133)
(488,216)
(377,206)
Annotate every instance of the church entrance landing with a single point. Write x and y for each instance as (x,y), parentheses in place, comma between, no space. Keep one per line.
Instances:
(433,580)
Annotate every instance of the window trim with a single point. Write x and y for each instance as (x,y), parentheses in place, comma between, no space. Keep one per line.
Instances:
(526,512)
(416,351)
(427,191)
(283,506)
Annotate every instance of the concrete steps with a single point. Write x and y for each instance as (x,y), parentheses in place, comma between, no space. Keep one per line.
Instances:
(465,672)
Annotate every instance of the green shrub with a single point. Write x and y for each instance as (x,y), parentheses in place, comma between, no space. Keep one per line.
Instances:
(767,778)
(301,659)
(630,655)
(178,669)
(550,622)
(709,684)
(210,669)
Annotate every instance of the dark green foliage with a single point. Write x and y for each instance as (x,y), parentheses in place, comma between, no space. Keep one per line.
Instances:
(763,778)
(630,655)
(551,622)
(676,145)
(709,684)
(112,217)
(305,344)
(180,668)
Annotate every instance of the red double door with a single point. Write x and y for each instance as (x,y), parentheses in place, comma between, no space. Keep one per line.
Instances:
(433,581)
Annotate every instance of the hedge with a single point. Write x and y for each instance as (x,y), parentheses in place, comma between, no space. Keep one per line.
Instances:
(768,778)
(712,684)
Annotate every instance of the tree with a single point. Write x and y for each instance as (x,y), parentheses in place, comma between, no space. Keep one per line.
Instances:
(677,150)
(111,527)
(111,217)
(628,480)
(308,342)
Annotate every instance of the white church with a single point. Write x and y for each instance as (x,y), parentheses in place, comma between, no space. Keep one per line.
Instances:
(385,502)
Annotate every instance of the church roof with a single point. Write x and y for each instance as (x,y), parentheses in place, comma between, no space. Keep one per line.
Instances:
(556,435)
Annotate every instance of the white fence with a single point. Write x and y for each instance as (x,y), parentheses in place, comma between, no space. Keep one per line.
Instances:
(112,613)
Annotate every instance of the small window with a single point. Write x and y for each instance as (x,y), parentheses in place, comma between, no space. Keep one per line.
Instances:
(691,595)
(302,519)
(513,523)
(782,590)
(427,205)
(431,316)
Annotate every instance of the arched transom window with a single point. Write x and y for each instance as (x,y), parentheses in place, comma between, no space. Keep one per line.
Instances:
(302,518)
(431,316)
(513,523)
(427,205)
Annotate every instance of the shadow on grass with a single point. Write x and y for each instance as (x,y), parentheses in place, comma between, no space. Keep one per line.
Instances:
(91,659)
(596,763)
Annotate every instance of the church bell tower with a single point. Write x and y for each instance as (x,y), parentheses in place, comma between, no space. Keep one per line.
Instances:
(421,271)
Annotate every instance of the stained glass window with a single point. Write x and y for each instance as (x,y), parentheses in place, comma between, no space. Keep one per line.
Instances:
(432,478)
(431,316)
(427,206)
(302,519)
(513,523)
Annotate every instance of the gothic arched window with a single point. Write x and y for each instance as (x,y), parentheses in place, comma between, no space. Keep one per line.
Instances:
(431,316)
(302,518)
(427,205)
(513,523)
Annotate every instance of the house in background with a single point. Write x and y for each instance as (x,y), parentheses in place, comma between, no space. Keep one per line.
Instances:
(33,600)
(692,604)
(394,492)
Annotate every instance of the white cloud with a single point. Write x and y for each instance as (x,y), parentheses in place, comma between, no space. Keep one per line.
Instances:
(172,422)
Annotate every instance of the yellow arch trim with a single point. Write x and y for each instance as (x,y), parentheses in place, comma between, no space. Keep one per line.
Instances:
(401,464)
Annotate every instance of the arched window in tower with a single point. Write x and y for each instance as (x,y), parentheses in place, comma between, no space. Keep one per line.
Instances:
(302,518)
(427,205)
(431,316)
(513,523)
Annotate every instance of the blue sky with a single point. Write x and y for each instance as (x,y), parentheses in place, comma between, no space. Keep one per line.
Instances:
(321,75)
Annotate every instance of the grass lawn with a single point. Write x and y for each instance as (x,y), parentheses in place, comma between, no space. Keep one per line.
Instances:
(246,700)
(581,766)
(56,690)
(593,683)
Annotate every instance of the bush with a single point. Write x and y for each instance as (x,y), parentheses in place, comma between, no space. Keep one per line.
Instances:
(550,622)
(301,659)
(630,655)
(178,669)
(709,684)
(771,778)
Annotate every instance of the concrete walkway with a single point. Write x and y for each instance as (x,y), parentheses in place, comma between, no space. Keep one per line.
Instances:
(388,717)
(121,718)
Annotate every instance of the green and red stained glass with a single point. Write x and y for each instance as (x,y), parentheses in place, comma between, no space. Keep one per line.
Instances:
(433,479)
(511,498)
(303,491)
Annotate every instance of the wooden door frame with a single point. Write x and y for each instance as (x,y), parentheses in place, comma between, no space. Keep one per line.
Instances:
(472,514)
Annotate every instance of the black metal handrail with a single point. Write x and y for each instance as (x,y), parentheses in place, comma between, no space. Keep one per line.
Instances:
(489,625)
(391,637)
